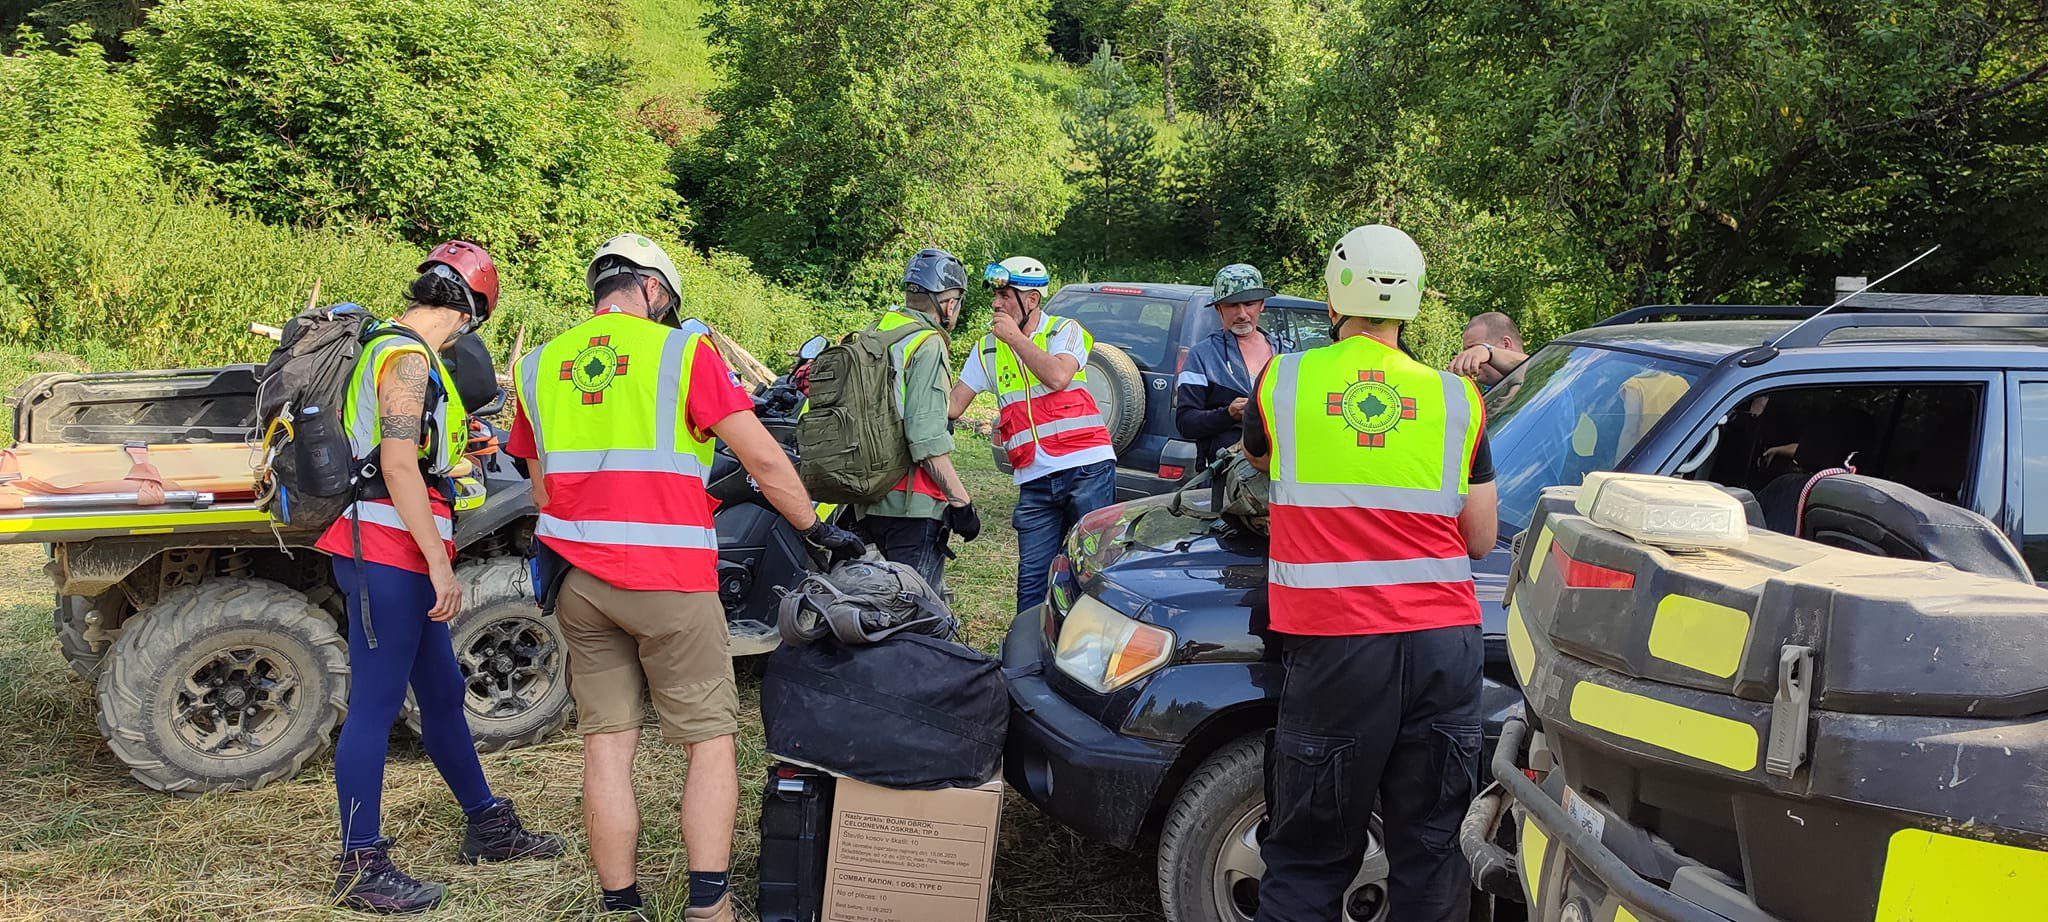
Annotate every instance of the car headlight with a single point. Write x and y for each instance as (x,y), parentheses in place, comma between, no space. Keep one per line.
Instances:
(1101,648)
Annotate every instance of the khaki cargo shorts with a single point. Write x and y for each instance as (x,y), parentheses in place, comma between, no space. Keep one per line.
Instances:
(671,644)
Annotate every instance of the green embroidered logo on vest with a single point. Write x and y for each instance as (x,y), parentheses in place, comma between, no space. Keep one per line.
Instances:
(593,369)
(1371,407)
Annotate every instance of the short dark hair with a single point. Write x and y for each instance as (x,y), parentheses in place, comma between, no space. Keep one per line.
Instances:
(613,284)
(1497,325)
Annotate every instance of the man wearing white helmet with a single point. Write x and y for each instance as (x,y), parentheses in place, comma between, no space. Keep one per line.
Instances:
(1382,495)
(617,417)
(1047,422)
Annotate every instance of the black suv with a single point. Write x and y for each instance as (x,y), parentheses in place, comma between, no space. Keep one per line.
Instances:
(1945,394)
(1148,330)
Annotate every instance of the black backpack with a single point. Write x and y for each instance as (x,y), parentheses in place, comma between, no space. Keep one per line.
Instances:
(311,474)
(910,711)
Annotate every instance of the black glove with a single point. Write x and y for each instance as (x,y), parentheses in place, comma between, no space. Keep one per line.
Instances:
(837,543)
(964,521)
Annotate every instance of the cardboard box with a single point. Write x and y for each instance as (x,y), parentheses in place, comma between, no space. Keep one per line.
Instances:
(911,856)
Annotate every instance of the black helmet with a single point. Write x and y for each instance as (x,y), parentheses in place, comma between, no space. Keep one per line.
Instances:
(934,270)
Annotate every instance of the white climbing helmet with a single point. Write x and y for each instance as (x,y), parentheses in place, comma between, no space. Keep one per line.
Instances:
(1375,271)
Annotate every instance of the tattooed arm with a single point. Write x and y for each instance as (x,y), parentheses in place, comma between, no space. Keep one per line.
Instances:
(401,406)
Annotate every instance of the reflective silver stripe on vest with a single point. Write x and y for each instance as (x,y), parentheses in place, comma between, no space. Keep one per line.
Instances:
(529,396)
(1359,496)
(1286,380)
(387,516)
(1457,420)
(1036,391)
(668,390)
(1351,574)
(637,460)
(1056,427)
(638,534)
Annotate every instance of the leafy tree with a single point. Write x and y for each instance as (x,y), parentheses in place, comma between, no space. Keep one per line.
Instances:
(851,132)
(486,119)
(1116,183)
(66,116)
(1680,141)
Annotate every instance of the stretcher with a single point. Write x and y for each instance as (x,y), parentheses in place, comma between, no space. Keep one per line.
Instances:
(1757,728)
(68,491)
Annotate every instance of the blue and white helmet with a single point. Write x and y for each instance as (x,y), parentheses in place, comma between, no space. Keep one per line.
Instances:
(1018,272)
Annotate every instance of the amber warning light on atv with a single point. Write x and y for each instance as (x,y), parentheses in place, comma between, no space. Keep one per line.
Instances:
(1664,511)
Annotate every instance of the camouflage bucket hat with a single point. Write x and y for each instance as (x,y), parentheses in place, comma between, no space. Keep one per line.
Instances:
(1238,283)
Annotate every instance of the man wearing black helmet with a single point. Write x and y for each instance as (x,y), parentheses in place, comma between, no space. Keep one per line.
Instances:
(909,524)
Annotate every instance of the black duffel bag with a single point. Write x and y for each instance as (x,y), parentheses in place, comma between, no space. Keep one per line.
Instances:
(909,712)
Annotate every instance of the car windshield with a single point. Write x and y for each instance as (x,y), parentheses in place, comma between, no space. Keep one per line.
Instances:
(1570,411)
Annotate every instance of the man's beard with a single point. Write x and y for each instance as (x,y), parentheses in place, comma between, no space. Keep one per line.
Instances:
(1243,328)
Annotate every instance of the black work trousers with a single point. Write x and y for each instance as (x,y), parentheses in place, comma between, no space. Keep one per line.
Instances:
(911,542)
(1392,717)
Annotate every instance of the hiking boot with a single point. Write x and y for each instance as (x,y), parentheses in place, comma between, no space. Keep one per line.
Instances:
(720,911)
(496,835)
(368,882)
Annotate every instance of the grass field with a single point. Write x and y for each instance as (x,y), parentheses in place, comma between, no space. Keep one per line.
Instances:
(79,839)
(672,63)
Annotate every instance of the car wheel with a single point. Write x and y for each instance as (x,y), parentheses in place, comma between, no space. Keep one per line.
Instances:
(1209,864)
(1119,391)
(514,667)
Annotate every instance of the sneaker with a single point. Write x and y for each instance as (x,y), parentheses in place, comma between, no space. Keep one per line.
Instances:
(496,835)
(367,881)
(720,911)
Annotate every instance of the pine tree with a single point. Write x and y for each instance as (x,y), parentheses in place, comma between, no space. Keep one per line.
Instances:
(1118,174)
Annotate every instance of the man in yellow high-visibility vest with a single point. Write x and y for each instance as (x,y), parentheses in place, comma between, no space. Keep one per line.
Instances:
(617,416)
(1382,495)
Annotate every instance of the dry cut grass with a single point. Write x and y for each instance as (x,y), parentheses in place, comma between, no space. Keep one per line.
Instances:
(81,840)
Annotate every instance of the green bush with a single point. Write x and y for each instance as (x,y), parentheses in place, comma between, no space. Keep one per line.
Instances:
(167,279)
(489,120)
(67,115)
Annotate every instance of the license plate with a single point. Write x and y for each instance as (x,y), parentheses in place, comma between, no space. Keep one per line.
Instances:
(1583,813)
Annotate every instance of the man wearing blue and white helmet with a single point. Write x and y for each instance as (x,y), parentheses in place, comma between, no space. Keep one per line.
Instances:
(1047,423)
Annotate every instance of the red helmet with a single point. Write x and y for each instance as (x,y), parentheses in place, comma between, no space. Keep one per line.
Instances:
(474,265)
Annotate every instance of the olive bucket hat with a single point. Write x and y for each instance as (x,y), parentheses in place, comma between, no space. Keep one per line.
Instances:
(1238,283)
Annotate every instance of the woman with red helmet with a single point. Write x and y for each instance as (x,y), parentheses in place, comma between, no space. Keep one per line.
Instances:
(393,553)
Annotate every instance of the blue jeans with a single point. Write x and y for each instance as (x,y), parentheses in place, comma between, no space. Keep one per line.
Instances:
(1046,508)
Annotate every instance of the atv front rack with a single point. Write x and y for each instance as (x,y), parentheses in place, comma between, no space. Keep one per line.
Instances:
(1562,875)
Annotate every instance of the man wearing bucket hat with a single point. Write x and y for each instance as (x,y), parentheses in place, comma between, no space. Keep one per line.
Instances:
(1047,423)
(1383,495)
(1215,384)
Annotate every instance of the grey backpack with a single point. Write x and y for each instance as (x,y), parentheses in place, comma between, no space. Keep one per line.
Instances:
(861,602)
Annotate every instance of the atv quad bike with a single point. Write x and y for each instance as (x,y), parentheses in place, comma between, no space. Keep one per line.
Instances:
(217,644)
(1727,725)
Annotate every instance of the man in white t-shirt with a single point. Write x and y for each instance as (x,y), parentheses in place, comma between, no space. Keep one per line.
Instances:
(1047,422)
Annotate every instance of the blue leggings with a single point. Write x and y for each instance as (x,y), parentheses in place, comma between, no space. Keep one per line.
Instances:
(411,649)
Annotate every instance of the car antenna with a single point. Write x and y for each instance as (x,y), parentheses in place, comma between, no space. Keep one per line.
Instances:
(1847,297)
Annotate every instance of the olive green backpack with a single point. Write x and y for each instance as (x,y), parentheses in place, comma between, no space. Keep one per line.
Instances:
(849,443)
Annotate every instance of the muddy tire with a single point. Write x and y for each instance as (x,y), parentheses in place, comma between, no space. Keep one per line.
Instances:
(1119,390)
(515,667)
(228,685)
(69,617)
(1209,864)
